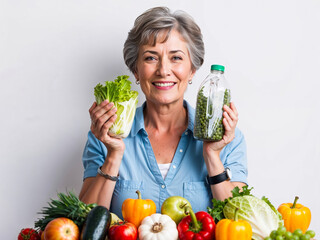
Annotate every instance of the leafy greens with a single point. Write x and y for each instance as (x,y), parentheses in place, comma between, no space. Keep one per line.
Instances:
(260,213)
(125,100)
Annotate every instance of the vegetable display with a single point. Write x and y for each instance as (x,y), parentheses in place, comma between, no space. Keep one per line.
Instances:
(158,226)
(69,206)
(260,213)
(295,216)
(125,100)
(199,226)
(135,210)
(240,217)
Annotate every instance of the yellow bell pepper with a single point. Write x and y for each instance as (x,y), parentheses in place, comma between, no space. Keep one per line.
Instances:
(295,216)
(135,210)
(228,229)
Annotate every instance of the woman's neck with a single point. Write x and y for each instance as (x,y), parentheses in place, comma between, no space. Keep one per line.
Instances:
(165,118)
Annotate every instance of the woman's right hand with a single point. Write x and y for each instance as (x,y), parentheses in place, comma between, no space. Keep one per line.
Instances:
(102,117)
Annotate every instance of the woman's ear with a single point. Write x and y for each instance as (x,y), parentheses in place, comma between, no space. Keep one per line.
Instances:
(193,72)
(136,75)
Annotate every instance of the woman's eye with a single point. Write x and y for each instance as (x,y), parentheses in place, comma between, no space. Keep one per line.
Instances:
(150,58)
(176,58)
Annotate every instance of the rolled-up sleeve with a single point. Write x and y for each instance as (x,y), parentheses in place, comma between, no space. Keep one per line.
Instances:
(94,155)
(235,158)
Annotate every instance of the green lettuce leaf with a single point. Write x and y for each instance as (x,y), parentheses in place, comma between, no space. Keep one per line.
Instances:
(125,100)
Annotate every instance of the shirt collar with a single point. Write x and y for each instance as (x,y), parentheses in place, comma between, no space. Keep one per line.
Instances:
(138,123)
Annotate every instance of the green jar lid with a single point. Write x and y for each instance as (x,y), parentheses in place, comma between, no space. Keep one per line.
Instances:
(217,67)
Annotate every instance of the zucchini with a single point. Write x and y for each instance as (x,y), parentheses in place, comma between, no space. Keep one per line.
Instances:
(97,224)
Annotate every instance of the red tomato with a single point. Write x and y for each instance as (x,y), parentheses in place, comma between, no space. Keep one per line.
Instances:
(61,229)
(28,234)
(123,231)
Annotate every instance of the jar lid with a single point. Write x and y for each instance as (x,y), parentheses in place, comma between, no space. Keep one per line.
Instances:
(217,67)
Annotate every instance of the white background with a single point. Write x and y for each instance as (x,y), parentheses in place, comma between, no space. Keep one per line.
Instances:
(53,53)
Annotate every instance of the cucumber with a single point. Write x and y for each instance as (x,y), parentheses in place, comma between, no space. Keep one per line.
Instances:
(97,224)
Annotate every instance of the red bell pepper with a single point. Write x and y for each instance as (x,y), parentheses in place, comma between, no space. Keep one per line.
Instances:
(199,226)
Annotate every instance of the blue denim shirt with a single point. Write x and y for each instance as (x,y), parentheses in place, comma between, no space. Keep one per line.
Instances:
(186,176)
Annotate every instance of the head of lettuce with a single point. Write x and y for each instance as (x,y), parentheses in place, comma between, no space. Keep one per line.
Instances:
(125,100)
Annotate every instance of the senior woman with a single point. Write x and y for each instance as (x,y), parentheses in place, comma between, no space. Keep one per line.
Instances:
(160,157)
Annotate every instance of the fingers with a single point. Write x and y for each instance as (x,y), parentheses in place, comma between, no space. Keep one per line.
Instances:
(232,111)
(92,107)
(230,120)
(233,108)
(105,119)
(100,109)
(102,117)
(107,124)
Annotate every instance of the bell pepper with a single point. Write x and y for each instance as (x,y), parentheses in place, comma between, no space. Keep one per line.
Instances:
(295,216)
(230,229)
(135,210)
(199,226)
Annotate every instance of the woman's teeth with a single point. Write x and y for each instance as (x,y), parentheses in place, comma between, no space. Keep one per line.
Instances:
(163,84)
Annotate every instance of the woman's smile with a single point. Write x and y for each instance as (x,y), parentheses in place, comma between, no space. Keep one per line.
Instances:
(164,85)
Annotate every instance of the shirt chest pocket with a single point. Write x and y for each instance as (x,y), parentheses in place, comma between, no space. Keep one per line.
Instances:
(198,194)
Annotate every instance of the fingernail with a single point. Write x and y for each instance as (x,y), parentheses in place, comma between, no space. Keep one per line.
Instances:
(110,104)
(105,101)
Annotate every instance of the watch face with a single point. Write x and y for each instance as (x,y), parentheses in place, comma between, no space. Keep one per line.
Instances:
(229,173)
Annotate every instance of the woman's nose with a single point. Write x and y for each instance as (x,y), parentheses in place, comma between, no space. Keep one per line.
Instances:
(164,68)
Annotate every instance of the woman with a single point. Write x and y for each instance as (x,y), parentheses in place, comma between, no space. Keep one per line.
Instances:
(160,157)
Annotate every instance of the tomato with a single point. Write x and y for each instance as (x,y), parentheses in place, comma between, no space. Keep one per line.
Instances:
(123,231)
(61,229)
(28,234)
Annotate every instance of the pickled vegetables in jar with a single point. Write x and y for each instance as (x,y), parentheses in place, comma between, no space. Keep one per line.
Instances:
(213,94)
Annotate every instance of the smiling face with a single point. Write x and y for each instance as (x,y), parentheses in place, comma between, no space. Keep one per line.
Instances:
(164,69)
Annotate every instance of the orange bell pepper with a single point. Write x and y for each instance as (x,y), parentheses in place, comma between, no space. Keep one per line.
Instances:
(135,210)
(295,216)
(233,229)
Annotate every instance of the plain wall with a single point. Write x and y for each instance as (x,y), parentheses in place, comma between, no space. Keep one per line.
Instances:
(53,53)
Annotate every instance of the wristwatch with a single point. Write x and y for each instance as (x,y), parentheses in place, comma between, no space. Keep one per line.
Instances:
(225,175)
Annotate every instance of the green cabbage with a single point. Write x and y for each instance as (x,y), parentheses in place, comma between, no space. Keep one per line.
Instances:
(261,215)
(125,100)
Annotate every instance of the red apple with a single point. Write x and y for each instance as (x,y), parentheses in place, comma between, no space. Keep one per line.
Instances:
(61,229)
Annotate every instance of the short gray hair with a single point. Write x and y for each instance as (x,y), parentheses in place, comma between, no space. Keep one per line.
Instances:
(155,20)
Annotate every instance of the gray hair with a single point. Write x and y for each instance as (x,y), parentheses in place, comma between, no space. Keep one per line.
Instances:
(155,20)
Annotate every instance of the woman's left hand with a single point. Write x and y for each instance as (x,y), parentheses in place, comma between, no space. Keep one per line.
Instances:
(230,120)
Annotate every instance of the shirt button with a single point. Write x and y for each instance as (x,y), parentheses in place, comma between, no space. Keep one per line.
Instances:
(163,186)
(186,133)
(181,150)
(174,166)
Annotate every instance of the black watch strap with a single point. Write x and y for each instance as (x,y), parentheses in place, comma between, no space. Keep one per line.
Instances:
(218,178)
